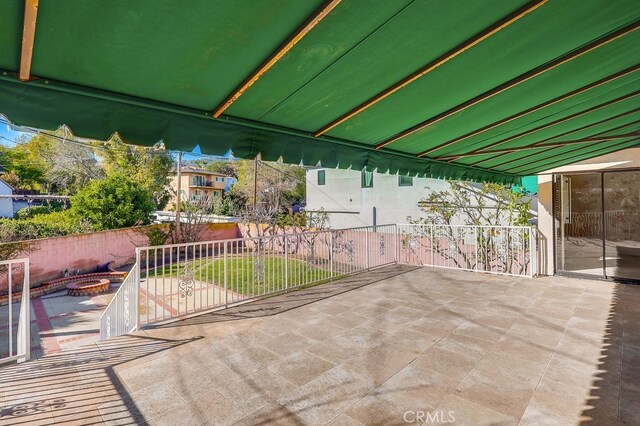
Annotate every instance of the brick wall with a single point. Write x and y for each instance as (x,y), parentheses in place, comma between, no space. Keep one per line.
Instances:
(85,252)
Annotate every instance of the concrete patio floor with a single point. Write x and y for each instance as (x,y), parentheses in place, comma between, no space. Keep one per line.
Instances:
(393,346)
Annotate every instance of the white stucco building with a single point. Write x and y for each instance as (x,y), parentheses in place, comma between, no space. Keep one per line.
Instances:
(355,198)
(352,200)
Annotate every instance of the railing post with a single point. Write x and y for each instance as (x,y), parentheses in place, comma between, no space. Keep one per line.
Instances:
(27,313)
(366,246)
(433,262)
(396,242)
(138,287)
(331,254)
(286,263)
(10,306)
(24,320)
(226,295)
(476,244)
(533,251)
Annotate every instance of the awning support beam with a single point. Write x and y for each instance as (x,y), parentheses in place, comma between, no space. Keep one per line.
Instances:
(291,41)
(533,109)
(570,117)
(461,48)
(604,132)
(487,148)
(512,83)
(543,142)
(28,38)
(591,153)
(550,145)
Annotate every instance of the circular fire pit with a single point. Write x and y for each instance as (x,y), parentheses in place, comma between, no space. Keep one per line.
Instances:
(89,287)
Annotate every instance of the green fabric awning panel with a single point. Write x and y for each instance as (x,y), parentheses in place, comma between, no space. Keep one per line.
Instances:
(467,89)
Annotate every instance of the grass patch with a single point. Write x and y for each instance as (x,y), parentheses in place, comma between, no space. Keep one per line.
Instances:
(249,276)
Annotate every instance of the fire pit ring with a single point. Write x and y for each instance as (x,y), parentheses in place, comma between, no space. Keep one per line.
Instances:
(88,287)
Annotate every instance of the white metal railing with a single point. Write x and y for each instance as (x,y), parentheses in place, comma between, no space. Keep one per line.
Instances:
(174,281)
(17,340)
(177,280)
(120,317)
(492,249)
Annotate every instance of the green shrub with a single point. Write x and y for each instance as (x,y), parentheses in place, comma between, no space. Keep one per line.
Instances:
(54,224)
(29,212)
(114,202)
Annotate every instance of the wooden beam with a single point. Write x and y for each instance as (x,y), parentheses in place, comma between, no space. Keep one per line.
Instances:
(570,117)
(545,165)
(533,109)
(487,148)
(512,83)
(321,13)
(549,145)
(543,142)
(552,147)
(28,38)
(461,48)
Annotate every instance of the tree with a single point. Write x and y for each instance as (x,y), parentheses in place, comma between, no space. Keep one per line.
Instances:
(150,167)
(117,201)
(472,204)
(226,167)
(464,203)
(66,165)
(21,170)
(279,185)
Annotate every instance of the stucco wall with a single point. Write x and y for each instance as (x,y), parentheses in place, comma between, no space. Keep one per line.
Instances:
(342,192)
(350,205)
(545,225)
(85,252)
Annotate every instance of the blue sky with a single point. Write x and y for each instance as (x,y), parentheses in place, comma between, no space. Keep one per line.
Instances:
(7,133)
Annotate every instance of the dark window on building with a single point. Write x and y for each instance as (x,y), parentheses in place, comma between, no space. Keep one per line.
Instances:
(405,180)
(367,179)
(321,177)
(198,180)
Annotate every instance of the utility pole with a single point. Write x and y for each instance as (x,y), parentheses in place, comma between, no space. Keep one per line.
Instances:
(179,195)
(255,183)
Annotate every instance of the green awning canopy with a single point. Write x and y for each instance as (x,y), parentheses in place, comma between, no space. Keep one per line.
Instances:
(468,89)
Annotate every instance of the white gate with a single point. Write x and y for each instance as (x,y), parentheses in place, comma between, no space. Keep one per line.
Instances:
(15,317)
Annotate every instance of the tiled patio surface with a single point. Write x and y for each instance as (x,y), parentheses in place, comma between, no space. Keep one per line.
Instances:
(58,322)
(394,346)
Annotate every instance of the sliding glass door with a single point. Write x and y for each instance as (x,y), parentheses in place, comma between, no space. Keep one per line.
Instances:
(597,221)
(621,225)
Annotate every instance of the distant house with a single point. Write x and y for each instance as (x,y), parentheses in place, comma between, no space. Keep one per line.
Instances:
(195,184)
(6,204)
(357,198)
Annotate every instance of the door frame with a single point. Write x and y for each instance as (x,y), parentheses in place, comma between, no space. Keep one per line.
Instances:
(604,276)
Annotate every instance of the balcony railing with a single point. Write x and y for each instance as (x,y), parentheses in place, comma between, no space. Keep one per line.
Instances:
(175,281)
(15,275)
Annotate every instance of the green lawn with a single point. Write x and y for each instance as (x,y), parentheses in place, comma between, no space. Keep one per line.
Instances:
(243,274)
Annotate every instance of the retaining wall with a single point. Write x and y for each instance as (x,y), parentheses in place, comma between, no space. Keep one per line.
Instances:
(86,252)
